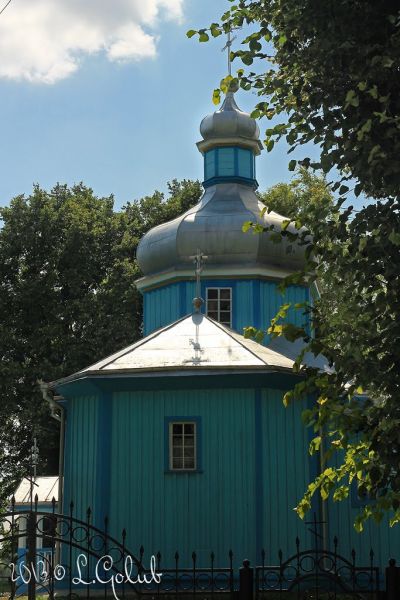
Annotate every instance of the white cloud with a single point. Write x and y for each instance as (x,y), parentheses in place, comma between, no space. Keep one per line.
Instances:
(45,40)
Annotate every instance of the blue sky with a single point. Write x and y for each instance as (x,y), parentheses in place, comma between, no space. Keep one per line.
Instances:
(120,127)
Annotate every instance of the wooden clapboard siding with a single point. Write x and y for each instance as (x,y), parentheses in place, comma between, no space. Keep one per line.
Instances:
(286,472)
(81,456)
(254,302)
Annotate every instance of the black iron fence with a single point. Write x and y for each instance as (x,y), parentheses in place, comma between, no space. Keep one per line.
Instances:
(318,570)
(51,554)
(42,553)
(197,578)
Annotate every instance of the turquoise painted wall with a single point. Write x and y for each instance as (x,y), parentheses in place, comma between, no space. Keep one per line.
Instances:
(286,470)
(254,302)
(255,467)
(249,482)
(82,454)
(168,511)
(383,539)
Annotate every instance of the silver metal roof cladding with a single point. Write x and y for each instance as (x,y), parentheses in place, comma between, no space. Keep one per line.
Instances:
(46,488)
(215,226)
(194,343)
(229,125)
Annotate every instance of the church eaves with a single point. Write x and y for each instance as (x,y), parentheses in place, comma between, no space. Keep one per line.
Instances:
(195,343)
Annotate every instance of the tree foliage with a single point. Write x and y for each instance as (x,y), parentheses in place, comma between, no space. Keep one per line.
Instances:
(300,198)
(330,71)
(67,298)
(327,73)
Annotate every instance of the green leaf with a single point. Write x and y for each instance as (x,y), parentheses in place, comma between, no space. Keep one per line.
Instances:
(191,33)
(352,98)
(204,37)
(362,244)
(249,332)
(394,237)
(373,91)
(225,83)
(287,399)
(292,165)
(373,152)
(215,30)
(359,524)
(387,62)
(246,226)
(357,189)
(302,508)
(315,445)
(255,46)
(341,493)
(270,145)
(247,59)
(324,490)
(216,97)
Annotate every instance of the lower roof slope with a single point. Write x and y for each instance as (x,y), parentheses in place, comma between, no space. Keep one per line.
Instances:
(195,343)
(45,488)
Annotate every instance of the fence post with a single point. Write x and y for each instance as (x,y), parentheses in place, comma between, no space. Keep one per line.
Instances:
(392,580)
(246,581)
(31,553)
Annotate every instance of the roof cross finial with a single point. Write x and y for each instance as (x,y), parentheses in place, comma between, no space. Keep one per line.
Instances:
(198,260)
(227,47)
(34,458)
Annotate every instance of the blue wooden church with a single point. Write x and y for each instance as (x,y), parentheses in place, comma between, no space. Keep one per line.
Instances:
(182,438)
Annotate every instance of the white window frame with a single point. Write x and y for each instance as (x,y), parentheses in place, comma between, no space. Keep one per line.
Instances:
(219,303)
(171,446)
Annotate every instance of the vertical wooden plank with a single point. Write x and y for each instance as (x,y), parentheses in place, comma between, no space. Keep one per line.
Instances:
(199,511)
(284,476)
(243,305)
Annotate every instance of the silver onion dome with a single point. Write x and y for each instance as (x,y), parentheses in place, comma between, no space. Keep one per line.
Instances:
(229,125)
(215,226)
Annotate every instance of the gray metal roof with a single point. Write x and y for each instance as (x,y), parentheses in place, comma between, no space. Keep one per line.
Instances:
(46,489)
(195,343)
(229,125)
(215,226)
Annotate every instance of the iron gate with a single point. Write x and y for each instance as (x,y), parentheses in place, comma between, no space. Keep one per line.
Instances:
(44,553)
(318,574)
(47,552)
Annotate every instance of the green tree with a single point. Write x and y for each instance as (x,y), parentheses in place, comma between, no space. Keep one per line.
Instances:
(327,73)
(299,198)
(330,70)
(67,298)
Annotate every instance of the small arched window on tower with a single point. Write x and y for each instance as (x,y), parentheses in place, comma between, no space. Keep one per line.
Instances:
(219,305)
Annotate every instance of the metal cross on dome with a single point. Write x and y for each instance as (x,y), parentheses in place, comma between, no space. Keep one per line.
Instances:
(227,46)
(34,459)
(198,260)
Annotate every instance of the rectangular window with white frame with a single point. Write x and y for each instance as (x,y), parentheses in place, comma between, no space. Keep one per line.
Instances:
(219,305)
(182,446)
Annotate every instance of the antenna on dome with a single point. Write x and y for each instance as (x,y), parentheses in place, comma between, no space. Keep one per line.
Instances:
(198,260)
